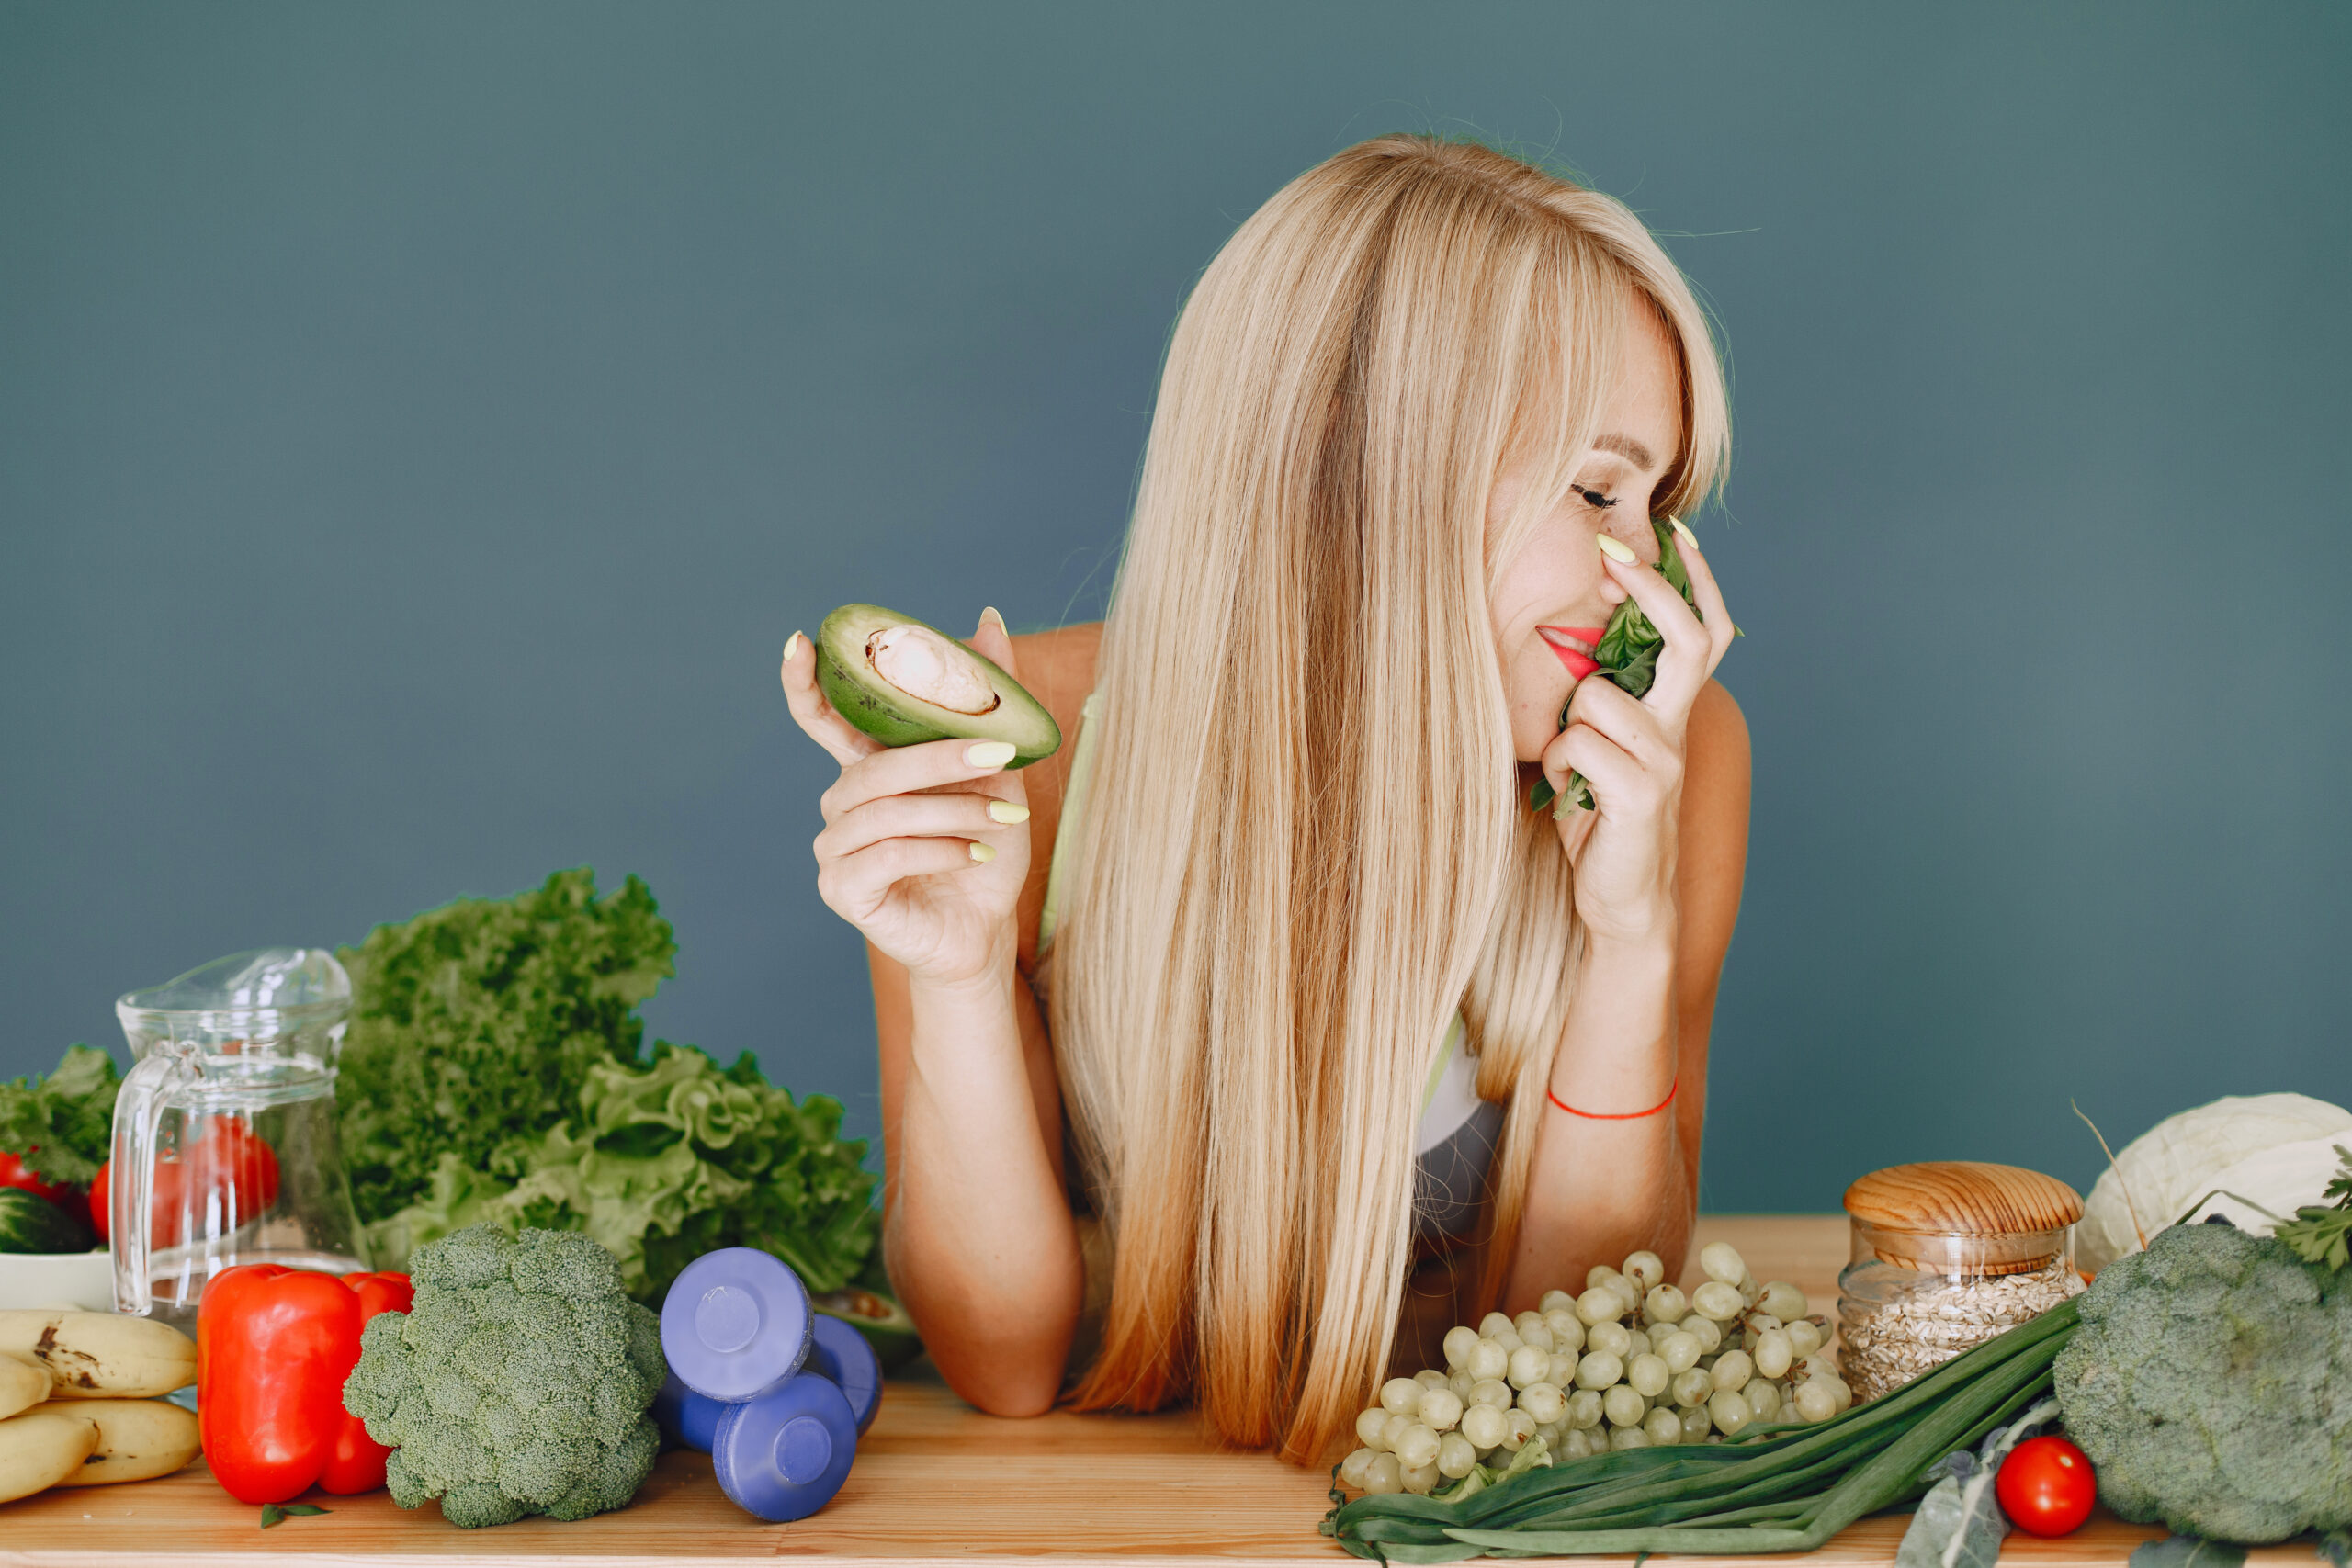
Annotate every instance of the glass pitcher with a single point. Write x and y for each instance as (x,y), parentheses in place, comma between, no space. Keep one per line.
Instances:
(224,1132)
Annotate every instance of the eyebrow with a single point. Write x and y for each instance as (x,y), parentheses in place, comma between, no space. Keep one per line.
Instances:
(1626,446)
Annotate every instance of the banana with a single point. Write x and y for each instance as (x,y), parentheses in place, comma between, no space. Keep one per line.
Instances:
(41,1447)
(100,1354)
(22,1385)
(138,1438)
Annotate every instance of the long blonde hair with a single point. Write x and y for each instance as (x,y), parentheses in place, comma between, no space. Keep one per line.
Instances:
(1309,843)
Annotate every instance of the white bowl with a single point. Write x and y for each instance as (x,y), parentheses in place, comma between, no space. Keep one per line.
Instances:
(83,1281)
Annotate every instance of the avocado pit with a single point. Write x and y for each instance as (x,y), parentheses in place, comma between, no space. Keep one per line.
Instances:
(932,669)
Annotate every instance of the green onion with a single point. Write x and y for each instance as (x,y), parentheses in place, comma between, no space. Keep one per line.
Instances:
(1777,1488)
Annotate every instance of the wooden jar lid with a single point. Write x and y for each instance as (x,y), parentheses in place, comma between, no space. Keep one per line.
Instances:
(1963,1197)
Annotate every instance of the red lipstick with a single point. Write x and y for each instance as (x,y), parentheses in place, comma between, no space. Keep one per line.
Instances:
(1573,647)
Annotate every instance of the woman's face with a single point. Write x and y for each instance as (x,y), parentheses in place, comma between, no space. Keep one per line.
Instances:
(1552,600)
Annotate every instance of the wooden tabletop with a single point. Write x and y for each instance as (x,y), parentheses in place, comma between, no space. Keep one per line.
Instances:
(934,1479)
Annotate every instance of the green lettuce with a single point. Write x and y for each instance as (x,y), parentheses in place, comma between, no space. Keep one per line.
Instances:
(475,1026)
(62,1126)
(664,1162)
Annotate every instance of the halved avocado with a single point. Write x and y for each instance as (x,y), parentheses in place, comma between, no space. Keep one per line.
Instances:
(903,680)
(884,1323)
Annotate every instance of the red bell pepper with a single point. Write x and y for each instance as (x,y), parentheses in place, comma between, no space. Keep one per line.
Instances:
(273,1348)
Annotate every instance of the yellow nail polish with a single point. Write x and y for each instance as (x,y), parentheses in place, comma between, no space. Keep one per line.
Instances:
(989,753)
(990,615)
(1684,534)
(1614,550)
(1008,811)
(791,647)
(981,853)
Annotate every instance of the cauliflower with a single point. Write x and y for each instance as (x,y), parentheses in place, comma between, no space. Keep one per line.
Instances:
(518,1383)
(2211,1382)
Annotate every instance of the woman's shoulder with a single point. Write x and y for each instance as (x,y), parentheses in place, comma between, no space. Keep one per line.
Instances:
(1058,668)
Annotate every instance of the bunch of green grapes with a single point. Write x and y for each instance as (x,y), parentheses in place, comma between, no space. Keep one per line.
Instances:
(1629,1363)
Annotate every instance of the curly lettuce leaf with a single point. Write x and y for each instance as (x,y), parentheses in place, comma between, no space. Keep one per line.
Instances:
(475,1025)
(672,1158)
(62,1126)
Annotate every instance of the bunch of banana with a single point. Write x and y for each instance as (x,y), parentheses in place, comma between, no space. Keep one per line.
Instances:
(77,1400)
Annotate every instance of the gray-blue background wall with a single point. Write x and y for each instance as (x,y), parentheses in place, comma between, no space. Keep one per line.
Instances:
(421,425)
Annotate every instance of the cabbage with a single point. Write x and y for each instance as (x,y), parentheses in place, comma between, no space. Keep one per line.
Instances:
(2183,1157)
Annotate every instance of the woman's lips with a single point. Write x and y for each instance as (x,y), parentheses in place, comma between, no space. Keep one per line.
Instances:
(1573,646)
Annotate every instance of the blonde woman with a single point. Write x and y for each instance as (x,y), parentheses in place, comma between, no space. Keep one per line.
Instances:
(1308,1035)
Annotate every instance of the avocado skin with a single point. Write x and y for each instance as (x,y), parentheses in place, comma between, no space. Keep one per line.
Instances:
(896,719)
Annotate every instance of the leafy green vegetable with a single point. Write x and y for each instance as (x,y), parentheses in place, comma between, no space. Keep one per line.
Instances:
(517,1384)
(1627,653)
(2186,1552)
(2321,1232)
(475,1026)
(670,1161)
(1958,1524)
(63,1127)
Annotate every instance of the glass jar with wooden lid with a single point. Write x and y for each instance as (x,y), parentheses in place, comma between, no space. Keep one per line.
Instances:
(1946,1256)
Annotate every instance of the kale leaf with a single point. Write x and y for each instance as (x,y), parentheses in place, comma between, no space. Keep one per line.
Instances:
(62,1126)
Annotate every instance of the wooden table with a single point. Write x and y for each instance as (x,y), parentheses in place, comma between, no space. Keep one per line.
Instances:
(934,1479)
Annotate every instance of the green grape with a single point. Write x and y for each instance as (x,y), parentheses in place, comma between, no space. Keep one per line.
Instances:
(1599,1370)
(1534,1330)
(1485,1427)
(1733,1369)
(1555,1301)
(1384,1474)
(1544,1401)
(1721,1262)
(1567,1328)
(1666,1303)
(1599,1305)
(1694,1386)
(1456,1456)
(1729,1411)
(1585,1409)
(1623,1438)
(1648,1375)
(1695,1424)
(1399,1395)
(1494,1323)
(1491,1391)
(1623,1406)
(1517,1426)
(1784,1301)
(1371,1428)
(1487,1359)
(1814,1402)
(1614,1338)
(1664,1426)
(1416,1446)
(1706,1330)
(1461,1384)
(1773,1353)
(1563,1370)
(1717,1301)
(1645,1268)
(1763,1398)
(1680,1352)
(1576,1444)
(1429,1377)
(1352,1468)
(1393,1429)
(1440,1410)
(1421,1480)
(1458,1341)
(1804,1338)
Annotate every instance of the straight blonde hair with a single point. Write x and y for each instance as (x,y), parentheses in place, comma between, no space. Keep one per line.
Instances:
(1309,843)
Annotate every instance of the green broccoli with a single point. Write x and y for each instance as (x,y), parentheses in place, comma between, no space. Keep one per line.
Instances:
(517,1384)
(2211,1382)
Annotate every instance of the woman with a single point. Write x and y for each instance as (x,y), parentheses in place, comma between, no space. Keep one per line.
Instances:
(1308,992)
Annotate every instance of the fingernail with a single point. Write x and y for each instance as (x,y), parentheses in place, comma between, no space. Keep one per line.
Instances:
(1684,534)
(989,614)
(981,853)
(1008,811)
(1614,550)
(989,754)
(791,647)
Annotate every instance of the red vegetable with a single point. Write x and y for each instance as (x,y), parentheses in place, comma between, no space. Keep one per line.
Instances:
(14,1172)
(2047,1487)
(273,1348)
(229,1170)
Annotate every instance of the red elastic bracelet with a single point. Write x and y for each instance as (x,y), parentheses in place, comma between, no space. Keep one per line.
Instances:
(1616,1115)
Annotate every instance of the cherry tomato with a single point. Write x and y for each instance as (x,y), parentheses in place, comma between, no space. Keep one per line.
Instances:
(2046,1486)
(14,1172)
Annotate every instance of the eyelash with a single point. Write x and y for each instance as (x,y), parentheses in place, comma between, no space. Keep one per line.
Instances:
(1595,500)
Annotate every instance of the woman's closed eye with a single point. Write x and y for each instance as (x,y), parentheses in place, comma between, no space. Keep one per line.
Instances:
(1594,499)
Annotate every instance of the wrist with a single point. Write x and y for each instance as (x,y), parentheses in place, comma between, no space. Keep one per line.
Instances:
(986,982)
(1638,950)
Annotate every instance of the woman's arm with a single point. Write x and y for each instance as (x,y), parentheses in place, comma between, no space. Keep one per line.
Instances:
(1638,1025)
(976,1230)
(927,850)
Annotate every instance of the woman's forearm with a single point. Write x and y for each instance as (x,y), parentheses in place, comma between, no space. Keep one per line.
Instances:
(980,1242)
(1600,1188)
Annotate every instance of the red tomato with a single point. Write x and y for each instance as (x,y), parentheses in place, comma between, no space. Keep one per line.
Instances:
(229,1173)
(14,1172)
(2047,1487)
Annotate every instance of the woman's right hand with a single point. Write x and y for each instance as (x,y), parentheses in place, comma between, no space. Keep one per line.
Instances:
(925,847)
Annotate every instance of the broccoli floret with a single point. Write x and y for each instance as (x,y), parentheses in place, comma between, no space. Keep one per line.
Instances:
(519,1384)
(2211,1384)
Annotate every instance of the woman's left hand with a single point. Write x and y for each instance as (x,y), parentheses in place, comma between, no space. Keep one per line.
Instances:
(1631,753)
